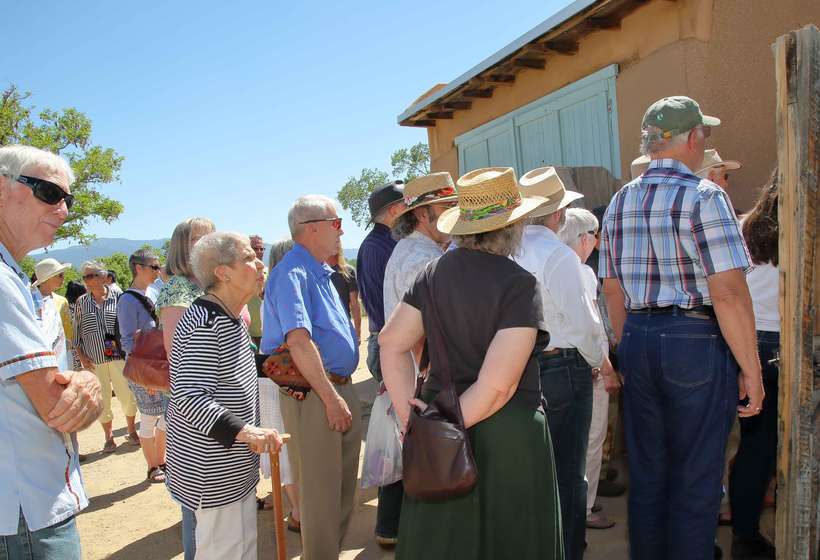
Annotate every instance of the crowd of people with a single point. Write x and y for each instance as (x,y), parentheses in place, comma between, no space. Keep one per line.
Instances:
(480,286)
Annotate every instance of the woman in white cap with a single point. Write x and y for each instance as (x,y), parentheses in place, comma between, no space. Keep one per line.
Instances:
(54,313)
(512,511)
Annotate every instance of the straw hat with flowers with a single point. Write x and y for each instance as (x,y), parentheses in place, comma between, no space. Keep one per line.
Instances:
(435,188)
(488,199)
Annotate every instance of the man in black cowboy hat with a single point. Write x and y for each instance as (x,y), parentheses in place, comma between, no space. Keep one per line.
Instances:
(386,203)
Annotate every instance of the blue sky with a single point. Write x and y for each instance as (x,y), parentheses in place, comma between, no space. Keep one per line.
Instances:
(232,109)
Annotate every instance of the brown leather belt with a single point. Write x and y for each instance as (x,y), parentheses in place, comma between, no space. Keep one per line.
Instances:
(566,352)
(338,379)
(697,312)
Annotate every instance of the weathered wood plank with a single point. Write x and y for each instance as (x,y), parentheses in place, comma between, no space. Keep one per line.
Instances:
(797,71)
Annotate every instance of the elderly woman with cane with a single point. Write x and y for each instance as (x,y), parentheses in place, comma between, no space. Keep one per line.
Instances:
(513,510)
(213,413)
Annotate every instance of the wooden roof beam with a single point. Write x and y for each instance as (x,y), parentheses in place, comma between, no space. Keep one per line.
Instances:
(604,22)
(457,105)
(483,93)
(530,62)
(440,115)
(426,123)
(562,46)
(501,79)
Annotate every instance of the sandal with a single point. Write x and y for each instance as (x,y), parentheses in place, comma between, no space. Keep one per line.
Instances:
(155,474)
(294,525)
(110,446)
(132,440)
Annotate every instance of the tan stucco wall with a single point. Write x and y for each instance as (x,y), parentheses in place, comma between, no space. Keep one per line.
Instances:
(716,51)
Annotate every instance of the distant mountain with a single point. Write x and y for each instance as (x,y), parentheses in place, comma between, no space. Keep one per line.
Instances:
(100,247)
(103,247)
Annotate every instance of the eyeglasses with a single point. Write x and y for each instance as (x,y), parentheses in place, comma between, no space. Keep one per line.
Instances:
(46,191)
(336,223)
(593,233)
(155,267)
(91,275)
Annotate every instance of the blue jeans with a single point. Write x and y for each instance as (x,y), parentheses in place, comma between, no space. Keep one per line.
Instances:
(680,400)
(188,533)
(373,359)
(61,541)
(756,456)
(566,384)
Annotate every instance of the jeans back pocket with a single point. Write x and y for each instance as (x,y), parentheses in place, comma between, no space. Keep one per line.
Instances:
(687,360)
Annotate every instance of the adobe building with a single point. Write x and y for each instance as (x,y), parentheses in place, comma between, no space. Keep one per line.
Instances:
(573,90)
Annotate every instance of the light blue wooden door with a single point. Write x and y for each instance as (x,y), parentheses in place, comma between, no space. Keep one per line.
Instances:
(574,126)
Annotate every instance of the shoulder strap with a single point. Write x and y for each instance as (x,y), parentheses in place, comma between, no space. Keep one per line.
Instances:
(437,340)
(146,303)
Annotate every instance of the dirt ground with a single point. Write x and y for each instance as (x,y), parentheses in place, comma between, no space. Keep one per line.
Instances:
(130,519)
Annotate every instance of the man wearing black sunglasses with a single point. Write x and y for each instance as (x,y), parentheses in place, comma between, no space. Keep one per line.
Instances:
(42,403)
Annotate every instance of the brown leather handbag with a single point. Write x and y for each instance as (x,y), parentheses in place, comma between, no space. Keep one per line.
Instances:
(437,458)
(147,364)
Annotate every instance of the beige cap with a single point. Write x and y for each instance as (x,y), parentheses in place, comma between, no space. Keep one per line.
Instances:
(428,189)
(47,269)
(639,166)
(712,160)
(545,181)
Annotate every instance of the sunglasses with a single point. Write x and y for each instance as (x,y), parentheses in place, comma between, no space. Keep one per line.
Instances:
(92,275)
(152,267)
(336,223)
(593,233)
(46,191)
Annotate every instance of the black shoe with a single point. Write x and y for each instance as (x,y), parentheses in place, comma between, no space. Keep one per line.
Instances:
(751,548)
(611,473)
(82,457)
(718,552)
(610,489)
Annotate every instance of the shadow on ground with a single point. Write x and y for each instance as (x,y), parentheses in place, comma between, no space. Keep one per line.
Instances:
(160,545)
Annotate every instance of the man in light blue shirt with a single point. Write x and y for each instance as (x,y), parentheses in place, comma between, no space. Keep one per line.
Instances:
(40,407)
(302,309)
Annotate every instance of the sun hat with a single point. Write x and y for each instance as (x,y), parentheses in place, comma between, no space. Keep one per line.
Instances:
(676,115)
(488,199)
(639,166)
(545,182)
(712,160)
(429,189)
(384,196)
(47,269)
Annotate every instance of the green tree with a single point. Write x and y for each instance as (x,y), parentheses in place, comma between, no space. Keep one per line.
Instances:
(66,132)
(406,163)
(118,263)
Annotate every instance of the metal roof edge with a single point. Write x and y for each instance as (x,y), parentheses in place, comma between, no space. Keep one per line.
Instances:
(548,24)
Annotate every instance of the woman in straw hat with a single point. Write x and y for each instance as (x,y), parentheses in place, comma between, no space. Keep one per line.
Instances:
(513,511)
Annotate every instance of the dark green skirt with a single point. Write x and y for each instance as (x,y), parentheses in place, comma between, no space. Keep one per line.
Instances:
(513,512)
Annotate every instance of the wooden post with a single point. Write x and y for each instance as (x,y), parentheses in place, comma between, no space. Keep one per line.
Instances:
(797,71)
(278,509)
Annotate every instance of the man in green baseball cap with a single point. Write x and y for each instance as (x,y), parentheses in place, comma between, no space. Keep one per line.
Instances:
(672,259)
(676,115)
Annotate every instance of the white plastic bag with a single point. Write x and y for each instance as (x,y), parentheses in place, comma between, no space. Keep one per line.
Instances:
(382,449)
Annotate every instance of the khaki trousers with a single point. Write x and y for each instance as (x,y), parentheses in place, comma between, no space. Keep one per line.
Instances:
(110,374)
(326,464)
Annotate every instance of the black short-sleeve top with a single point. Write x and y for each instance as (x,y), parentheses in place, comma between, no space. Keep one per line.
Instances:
(478,294)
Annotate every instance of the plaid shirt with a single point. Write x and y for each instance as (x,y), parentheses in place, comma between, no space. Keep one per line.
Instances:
(664,233)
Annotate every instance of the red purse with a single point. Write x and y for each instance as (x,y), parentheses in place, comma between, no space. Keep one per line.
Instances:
(147,364)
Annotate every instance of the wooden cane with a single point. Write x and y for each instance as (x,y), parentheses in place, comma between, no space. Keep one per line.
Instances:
(278,514)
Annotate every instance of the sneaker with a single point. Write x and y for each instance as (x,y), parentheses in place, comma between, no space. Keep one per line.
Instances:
(751,548)
(386,542)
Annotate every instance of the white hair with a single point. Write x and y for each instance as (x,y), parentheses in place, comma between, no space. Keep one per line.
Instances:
(214,249)
(94,266)
(16,159)
(652,142)
(578,222)
(308,207)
